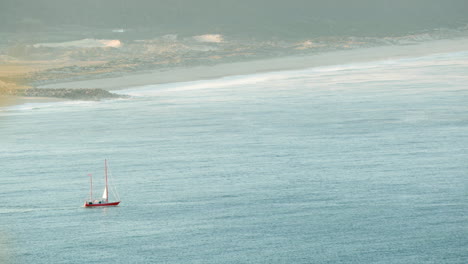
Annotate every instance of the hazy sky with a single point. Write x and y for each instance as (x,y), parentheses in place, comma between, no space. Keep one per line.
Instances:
(268,17)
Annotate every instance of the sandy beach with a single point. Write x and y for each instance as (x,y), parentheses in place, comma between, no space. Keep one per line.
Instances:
(268,65)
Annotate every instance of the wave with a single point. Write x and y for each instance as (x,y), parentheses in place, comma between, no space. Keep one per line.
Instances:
(316,73)
(238,80)
(38,106)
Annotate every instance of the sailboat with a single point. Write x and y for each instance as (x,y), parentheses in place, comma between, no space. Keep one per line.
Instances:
(104,201)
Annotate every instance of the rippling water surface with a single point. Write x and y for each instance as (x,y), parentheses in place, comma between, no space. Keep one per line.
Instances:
(363,163)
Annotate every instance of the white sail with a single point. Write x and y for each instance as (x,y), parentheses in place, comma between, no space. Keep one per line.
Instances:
(104,195)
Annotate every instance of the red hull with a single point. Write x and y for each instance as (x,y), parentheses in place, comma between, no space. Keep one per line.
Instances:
(101,204)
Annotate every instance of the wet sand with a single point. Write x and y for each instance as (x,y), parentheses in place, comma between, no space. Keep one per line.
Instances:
(6,101)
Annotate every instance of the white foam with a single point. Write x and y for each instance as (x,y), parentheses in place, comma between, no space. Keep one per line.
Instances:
(251,79)
(82,43)
(27,107)
(358,72)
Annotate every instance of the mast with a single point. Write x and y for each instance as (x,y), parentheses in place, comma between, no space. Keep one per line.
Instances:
(107,189)
(91,189)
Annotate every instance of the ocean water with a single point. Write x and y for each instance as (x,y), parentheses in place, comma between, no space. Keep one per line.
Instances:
(357,163)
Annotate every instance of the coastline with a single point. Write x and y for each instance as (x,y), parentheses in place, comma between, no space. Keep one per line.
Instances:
(195,73)
(8,101)
(185,74)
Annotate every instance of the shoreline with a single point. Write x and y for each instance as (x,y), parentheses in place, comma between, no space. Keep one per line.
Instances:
(9,101)
(186,74)
(207,72)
